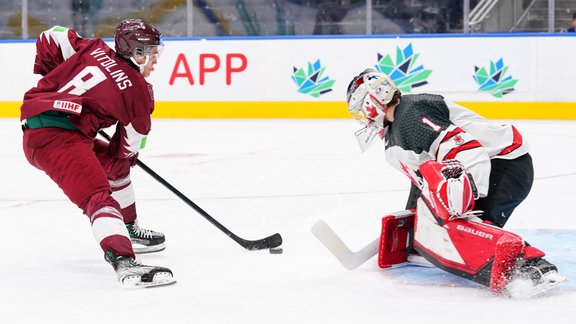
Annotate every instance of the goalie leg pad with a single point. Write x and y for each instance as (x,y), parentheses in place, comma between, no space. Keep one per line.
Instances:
(394,245)
(506,252)
(479,252)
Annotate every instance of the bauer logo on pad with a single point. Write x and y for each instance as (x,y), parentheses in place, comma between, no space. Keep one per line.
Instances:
(68,106)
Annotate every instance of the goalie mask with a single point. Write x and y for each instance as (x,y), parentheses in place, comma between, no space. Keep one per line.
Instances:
(367,97)
(135,38)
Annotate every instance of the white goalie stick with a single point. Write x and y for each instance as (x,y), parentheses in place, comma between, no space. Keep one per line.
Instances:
(352,260)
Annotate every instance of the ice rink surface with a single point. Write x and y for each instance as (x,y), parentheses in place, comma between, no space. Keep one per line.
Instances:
(259,177)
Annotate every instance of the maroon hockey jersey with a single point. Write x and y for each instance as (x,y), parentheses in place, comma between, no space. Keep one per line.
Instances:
(84,79)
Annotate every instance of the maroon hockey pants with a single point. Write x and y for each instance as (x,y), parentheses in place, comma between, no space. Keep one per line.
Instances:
(82,167)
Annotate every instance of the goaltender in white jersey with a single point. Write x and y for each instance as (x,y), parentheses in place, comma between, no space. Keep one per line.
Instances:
(468,175)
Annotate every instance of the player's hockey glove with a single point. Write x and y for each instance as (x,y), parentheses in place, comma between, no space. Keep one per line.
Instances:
(133,159)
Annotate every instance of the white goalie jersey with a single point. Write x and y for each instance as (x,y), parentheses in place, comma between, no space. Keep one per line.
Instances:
(427,128)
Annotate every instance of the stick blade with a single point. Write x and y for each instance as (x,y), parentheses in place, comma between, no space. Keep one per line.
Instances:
(350,260)
(274,241)
(269,242)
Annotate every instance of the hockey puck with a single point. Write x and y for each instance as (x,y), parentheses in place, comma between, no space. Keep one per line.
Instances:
(276,251)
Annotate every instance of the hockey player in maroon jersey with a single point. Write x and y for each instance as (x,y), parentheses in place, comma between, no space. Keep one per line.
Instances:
(86,87)
(468,175)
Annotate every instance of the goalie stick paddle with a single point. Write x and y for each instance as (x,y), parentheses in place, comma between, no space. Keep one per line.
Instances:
(269,242)
(350,260)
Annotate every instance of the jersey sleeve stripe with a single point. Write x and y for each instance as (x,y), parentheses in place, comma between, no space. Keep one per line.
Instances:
(516,142)
(451,134)
(468,146)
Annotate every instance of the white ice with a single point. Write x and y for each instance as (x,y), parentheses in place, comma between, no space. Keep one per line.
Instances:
(259,177)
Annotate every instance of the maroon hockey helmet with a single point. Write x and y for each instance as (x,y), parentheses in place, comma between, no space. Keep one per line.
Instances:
(135,36)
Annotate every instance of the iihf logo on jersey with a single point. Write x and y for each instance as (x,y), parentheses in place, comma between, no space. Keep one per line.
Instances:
(403,71)
(494,82)
(67,106)
(312,82)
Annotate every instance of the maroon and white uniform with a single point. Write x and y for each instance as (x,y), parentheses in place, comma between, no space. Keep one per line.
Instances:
(86,87)
(106,89)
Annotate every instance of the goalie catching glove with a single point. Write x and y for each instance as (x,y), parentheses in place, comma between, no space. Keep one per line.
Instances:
(448,188)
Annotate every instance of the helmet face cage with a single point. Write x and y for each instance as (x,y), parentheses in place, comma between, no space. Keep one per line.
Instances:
(148,50)
(137,38)
(368,94)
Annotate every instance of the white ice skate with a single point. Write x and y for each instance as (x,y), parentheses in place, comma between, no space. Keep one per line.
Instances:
(133,274)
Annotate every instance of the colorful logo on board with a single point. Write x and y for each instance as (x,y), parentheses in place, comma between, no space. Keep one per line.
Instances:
(312,81)
(496,82)
(404,71)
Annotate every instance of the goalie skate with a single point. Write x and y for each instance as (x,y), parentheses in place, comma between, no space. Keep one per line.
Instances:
(144,240)
(533,277)
(133,274)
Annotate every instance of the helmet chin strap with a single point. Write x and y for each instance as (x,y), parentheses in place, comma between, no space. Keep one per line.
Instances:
(140,66)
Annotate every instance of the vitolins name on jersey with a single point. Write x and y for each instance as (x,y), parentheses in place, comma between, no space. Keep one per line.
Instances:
(108,64)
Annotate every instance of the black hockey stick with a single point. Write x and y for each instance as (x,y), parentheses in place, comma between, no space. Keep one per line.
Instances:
(269,242)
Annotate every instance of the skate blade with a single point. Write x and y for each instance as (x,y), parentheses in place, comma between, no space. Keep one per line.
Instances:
(143,249)
(160,279)
(525,288)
